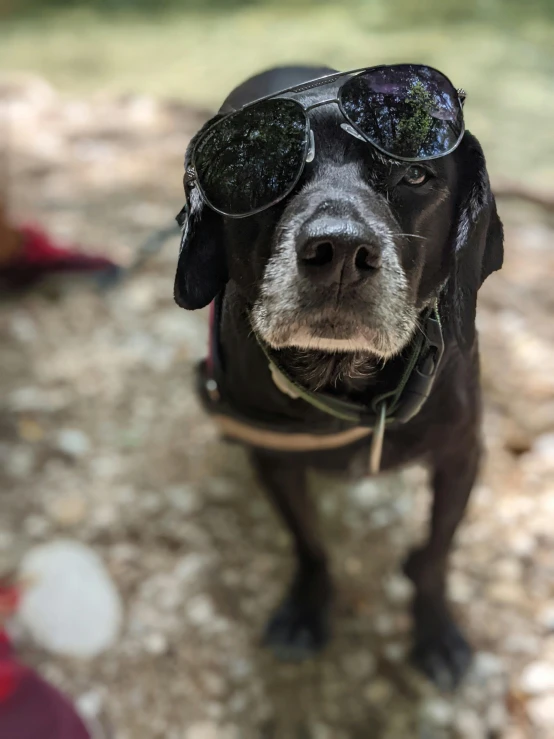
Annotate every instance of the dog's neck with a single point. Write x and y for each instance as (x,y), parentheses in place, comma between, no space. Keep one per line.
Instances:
(352,376)
(345,374)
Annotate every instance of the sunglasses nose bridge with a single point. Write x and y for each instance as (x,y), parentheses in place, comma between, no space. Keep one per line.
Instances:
(321,103)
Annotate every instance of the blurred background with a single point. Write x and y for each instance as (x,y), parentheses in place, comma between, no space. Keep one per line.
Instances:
(102,440)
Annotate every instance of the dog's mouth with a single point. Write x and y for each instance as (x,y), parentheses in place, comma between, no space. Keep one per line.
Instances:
(333,331)
(361,327)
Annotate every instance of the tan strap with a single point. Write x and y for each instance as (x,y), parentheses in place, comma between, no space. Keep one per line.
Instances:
(286,442)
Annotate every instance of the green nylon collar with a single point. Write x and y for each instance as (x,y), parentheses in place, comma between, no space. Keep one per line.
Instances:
(402,403)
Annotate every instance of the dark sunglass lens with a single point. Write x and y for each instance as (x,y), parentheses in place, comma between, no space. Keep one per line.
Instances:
(253,158)
(409,111)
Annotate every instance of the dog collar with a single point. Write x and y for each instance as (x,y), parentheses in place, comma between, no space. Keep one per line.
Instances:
(396,406)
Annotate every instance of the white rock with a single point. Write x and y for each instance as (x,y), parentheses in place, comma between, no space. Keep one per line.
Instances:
(73,442)
(437,712)
(200,610)
(202,730)
(541,712)
(23,328)
(67,509)
(366,494)
(468,725)
(90,704)
(460,587)
(487,665)
(546,617)
(71,605)
(240,668)
(384,624)
(522,544)
(394,652)
(155,643)
(398,589)
(36,526)
(544,446)
(219,488)
(538,677)
(189,567)
(184,498)
(20,462)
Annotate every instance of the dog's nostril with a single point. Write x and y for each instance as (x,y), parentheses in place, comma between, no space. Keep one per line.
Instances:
(366,259)
(319,254)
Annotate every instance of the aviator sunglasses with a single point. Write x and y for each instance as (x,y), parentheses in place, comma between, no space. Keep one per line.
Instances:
(253,157)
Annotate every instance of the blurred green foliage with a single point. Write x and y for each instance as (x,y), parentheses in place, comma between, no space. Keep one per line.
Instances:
(399,12)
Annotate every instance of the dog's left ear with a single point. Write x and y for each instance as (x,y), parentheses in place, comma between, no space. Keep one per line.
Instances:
(478,239)
(202,267)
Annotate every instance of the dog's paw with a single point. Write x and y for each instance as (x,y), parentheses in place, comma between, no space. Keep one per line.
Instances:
(442,654)
(297,630)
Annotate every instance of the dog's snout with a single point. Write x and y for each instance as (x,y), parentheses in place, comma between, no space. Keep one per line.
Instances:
(331,251)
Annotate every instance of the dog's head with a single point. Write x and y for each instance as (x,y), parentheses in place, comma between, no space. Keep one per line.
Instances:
(364,243)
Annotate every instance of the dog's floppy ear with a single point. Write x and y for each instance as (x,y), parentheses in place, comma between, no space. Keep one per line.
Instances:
(202,267)
(478,240)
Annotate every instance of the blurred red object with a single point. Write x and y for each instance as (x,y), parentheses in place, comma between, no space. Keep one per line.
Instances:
(27,254)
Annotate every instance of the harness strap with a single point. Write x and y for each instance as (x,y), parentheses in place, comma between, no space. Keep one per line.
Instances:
(283,441)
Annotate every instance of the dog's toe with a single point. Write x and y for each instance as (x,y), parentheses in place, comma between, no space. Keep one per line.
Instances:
(443,655)
(297,631)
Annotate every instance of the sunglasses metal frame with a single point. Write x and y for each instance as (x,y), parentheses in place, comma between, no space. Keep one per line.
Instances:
(191,180)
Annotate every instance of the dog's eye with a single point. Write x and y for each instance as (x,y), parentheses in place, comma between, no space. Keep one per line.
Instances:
(415,176)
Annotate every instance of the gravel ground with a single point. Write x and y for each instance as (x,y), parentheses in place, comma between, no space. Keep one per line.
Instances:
(102,440)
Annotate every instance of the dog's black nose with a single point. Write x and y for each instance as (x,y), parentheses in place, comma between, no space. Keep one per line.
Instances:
(332,250)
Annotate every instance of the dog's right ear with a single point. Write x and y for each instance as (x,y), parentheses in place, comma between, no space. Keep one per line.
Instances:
(202,267)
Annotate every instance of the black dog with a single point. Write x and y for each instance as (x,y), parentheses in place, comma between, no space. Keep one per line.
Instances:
(339,280)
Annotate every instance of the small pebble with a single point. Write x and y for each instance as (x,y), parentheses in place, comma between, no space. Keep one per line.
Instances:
(398,589)
(184,498)
(20,462)
(379,691)
(73,442)
(202,730)
(437,712)
(155,643)
(36,526)
(394,652)
(546,617)
(384,624)
(538,677)
(468,725)
(240,668)
(91,703)
(200,610)
(487,665)
(67,509)
(541,712)
(359,665)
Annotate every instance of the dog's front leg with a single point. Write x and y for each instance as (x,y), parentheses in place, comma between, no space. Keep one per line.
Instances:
(440,649)
(300,625)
